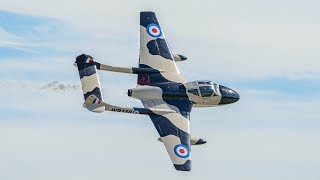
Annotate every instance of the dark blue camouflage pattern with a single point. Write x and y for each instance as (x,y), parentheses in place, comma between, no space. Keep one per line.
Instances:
(159,47)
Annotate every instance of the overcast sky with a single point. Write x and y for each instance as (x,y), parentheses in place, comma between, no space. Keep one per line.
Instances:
(268,51)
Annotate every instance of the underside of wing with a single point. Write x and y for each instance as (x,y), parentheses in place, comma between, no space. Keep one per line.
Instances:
(174,131)
(155,52)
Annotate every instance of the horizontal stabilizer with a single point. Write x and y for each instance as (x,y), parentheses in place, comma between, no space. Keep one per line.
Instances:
(90,83)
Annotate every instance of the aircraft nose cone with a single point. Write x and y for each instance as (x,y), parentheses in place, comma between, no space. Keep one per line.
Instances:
(228,95)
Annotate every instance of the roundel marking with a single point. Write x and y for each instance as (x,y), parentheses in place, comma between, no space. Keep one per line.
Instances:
(154,30)
(181,151)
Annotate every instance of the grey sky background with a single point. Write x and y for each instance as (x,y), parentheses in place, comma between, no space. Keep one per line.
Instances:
(266,50)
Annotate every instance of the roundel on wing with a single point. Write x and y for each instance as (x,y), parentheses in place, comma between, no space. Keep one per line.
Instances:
(181,151)
(154,30)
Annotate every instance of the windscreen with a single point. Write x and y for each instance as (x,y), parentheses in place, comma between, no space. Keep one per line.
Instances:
(206,91)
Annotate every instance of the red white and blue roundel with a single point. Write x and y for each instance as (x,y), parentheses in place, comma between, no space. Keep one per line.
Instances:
(154,30)
(181,151)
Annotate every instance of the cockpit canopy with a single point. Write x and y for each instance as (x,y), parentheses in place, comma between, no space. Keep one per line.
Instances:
(205,89)
(205,82)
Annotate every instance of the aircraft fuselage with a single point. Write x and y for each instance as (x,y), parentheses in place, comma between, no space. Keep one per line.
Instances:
(199,93)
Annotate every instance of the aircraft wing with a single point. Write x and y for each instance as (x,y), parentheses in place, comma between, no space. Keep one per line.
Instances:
(155,53)
(174,131)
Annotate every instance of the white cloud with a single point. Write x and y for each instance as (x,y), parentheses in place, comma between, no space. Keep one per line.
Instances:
(8,39)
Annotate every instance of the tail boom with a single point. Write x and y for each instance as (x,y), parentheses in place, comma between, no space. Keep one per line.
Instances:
(92,103)
(132,70)
(92,90)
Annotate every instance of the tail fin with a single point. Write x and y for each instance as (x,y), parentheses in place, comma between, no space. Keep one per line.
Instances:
(90,83)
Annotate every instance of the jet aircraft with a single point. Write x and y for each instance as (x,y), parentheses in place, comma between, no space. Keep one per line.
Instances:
(166,95)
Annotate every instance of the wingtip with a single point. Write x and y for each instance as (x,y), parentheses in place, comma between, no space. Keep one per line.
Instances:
(142,12)
(183,167)
(148,17)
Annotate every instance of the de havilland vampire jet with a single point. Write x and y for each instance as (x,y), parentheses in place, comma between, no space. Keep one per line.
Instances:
(166,96)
